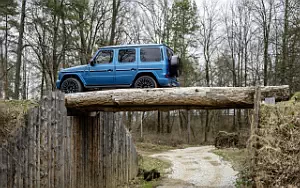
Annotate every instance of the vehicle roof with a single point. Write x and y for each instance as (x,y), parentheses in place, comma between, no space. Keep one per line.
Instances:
(131,45)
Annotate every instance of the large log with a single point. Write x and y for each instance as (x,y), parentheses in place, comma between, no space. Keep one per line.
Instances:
(171,98)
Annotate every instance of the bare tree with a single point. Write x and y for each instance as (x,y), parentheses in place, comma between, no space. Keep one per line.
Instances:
(115,11)
(19,51)
(208,39)
(264,16)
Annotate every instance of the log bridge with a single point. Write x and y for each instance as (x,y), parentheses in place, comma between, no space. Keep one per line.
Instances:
(166,99)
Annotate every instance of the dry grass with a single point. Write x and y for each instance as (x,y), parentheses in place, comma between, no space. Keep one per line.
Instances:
(278,152)
(296,96)
(12,116)
(148,163)
(149,148)
(237,157)
(239,160)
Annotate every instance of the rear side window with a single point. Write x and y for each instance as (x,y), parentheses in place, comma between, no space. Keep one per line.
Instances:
(104,57)
(170,54)
(151,54)
(127,55)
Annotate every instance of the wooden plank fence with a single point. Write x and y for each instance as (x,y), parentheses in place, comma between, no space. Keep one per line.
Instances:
(54,150)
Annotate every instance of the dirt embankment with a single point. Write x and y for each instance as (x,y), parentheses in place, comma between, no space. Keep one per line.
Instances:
(278,146)
(12,114)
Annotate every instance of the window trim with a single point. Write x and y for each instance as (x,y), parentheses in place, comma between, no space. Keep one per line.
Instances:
(113,54)
(135,53)
(161,54)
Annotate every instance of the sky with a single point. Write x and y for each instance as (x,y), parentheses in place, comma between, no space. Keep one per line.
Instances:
(221,2)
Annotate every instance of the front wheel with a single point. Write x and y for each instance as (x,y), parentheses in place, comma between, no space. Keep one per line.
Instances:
(71,85)
(145,82)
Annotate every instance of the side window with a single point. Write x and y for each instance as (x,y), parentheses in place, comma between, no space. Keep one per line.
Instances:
(127,55)
(151,54)
(105,57)
(170,54)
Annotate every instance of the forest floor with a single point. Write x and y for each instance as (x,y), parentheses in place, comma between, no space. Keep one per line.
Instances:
(202,166)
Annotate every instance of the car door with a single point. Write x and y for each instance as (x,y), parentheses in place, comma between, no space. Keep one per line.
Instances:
(102,71)
(126,66)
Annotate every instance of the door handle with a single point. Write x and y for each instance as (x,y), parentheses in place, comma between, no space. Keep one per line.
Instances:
(109,70)
(133,69)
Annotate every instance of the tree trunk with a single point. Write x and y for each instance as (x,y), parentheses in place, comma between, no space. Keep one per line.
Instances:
(266,30)
(168,122)
(285,43)
(6,60)
(83,50)
(158,121)
(171,98)
(206,126)
(55,62)
(24,79)
(1,69)
(189,125)
(234,120)
(42,85)
(266,57)
(115,10)
(162,122)
(129,120)
(19,51)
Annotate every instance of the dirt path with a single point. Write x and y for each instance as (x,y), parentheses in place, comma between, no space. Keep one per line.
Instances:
(197,167)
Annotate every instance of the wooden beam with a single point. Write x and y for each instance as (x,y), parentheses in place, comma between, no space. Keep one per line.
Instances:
(171,98)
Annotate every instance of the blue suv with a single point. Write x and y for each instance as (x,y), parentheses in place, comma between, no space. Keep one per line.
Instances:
(138,66)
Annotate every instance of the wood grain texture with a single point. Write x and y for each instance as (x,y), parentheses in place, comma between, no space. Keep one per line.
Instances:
(171,98)
(53,150)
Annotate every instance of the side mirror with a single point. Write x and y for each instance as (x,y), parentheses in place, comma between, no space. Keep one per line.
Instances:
(92,62)
(174,60)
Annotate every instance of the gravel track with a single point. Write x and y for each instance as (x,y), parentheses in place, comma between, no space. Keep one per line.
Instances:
(197,167)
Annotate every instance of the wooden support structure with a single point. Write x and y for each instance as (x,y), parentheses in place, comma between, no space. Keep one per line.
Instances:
(254,127)
(53,150)
(166,99)
(189,125)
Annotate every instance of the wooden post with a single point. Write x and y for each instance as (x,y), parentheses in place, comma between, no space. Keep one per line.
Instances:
(142,125)
(158,121)
(189,125)
(51,150)
(254,126)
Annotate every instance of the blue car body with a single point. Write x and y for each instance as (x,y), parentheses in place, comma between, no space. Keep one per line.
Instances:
(117,72)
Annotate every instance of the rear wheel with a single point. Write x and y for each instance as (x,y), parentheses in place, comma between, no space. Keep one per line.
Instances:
(71,85)
(145,82)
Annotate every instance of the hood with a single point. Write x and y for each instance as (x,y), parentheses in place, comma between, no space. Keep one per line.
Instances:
(75,69)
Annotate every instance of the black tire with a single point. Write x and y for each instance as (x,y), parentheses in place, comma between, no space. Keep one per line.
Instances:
(145,82)
(71,85)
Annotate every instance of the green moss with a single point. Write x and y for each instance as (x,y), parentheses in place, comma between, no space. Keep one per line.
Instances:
(237,157)
(149,163)
(148,184)
(296,95)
